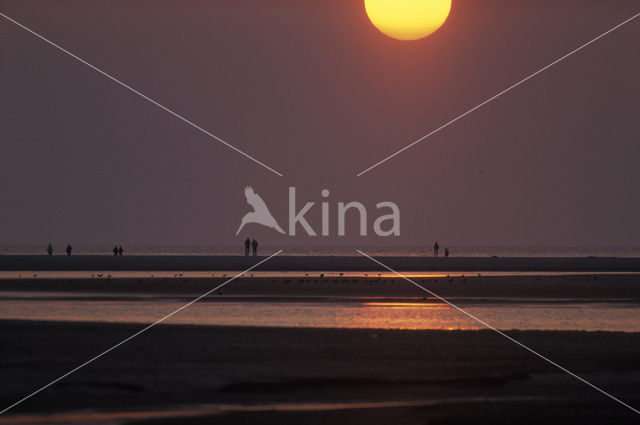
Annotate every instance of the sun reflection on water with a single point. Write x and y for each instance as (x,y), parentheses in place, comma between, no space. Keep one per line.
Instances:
(405,304)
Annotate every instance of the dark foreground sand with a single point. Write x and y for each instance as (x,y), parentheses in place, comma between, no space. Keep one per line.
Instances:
(166,375)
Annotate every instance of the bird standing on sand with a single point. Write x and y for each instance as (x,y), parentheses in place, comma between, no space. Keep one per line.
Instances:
(260,213)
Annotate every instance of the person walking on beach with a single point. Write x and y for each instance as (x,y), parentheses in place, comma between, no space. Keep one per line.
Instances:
(120,250)
(446,252)
(254,245)
(50,249)
(115,250)
(435,249)
(247,244)
(69,248)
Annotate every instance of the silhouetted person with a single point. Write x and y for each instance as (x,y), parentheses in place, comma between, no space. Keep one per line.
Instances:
(120,250)
(254,245)
(115,250)
(247,244)
(436,247)
(446,252)
(50,249)
(69,249)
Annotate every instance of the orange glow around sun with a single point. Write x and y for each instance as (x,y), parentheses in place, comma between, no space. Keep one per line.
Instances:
(407,19)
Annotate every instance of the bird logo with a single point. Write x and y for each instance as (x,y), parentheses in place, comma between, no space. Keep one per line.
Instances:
(260,213)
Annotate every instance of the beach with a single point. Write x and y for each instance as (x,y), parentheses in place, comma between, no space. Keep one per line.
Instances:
(283,262)
(313,285)
(198,374)
(316,346)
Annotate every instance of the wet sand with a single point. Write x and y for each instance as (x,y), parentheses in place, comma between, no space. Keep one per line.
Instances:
(610,287)
(201,374)
(283,262)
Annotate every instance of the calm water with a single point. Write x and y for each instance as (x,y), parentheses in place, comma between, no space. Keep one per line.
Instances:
(347,251)
(374,313)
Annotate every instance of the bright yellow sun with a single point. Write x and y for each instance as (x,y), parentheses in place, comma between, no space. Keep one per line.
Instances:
(407,19)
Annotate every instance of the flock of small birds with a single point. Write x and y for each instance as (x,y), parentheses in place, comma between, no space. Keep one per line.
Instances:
(307,275)
(321,278)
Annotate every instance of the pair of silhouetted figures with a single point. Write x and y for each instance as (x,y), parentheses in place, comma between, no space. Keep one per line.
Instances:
(436,247)
(117,250)
(50,249)
(250,244)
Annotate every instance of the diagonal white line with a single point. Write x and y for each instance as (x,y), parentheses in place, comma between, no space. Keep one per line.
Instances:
(498,95)
(175,114)
(501,333)
(136,334)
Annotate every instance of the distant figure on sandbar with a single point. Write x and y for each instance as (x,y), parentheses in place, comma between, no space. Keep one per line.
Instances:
(446,252)
(120,250)
(254,245)
(115,250)
(69,249)
(247,244)
(436,247)
(50,249)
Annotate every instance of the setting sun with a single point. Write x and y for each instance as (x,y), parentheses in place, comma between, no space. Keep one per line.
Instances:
(407,19)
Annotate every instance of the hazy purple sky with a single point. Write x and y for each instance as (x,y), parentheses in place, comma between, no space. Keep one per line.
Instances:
(315,91)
